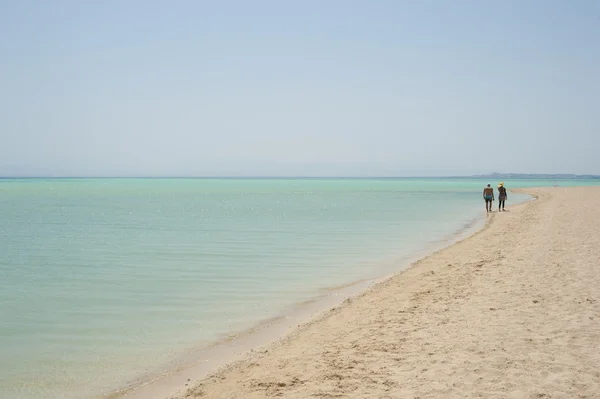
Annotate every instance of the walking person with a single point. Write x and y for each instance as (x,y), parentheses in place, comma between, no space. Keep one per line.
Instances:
(488,196)
(502,196)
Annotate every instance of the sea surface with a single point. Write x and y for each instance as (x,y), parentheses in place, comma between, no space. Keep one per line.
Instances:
(103,281)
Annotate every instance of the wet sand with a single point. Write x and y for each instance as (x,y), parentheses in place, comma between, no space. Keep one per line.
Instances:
(511,312)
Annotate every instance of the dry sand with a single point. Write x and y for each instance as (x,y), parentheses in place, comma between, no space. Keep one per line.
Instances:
(512,312)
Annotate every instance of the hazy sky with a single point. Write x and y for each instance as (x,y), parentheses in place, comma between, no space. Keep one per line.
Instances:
(320,88)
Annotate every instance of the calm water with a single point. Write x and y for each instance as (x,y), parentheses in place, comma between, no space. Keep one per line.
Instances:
(105,280)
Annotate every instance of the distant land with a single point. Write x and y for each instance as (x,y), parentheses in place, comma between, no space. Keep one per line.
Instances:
(544,176)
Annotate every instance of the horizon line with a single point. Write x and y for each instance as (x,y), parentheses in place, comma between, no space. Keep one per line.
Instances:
(307,177)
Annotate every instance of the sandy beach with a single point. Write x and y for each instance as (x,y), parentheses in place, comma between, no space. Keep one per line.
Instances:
(511,312)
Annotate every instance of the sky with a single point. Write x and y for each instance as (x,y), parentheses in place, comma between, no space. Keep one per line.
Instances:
(298,88)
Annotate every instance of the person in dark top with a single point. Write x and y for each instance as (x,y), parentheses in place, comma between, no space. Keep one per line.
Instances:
(488,196)
(502,197)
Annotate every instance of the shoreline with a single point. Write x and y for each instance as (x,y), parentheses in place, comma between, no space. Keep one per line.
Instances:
(236,347)
(510,312)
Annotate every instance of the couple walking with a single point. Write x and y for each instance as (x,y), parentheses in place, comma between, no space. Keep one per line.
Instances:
(488,196)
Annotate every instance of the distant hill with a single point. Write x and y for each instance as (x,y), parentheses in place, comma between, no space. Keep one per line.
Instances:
(536,176)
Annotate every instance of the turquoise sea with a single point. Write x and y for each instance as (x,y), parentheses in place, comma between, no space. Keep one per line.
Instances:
(103,281)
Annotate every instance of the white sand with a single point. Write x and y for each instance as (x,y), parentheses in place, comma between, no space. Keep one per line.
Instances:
(512,312)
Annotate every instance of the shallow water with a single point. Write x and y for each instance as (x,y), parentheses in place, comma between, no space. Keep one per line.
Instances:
(105,280)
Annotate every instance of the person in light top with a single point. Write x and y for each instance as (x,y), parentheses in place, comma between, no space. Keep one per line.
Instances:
(488,196)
